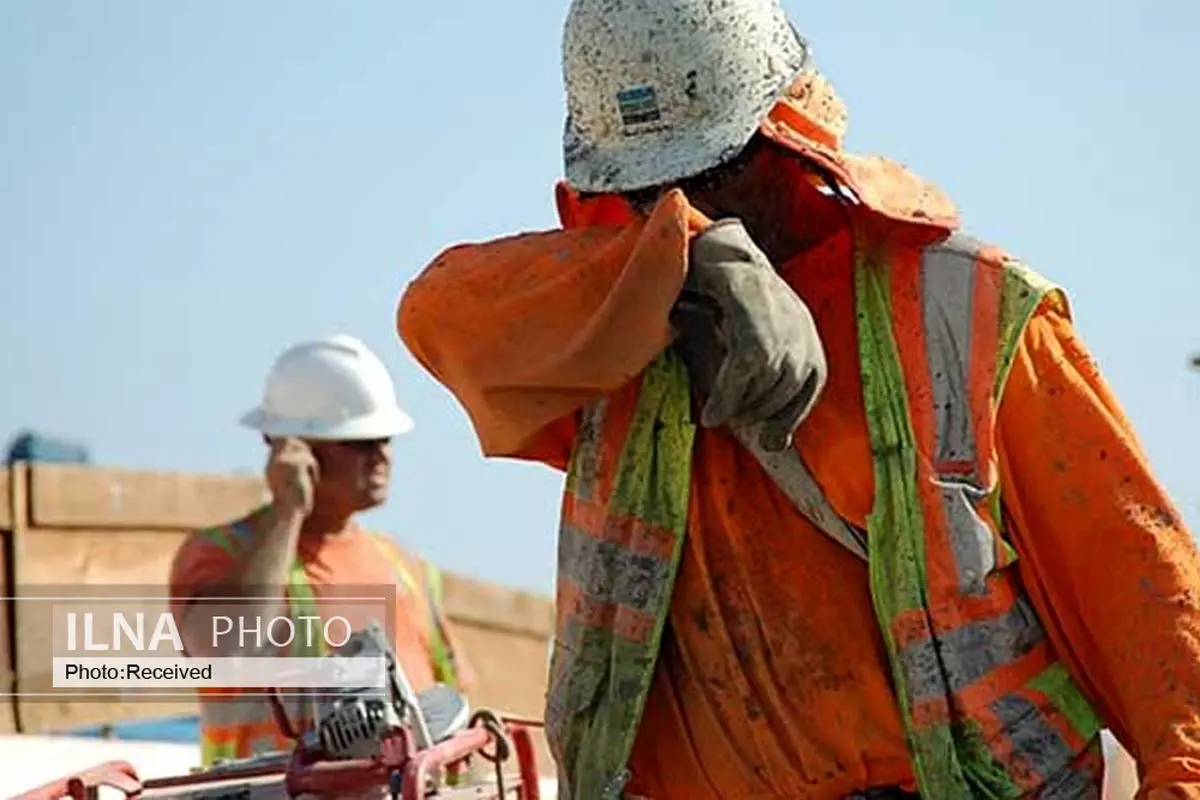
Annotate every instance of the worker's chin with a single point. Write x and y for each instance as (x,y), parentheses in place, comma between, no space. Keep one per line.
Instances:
(372,497)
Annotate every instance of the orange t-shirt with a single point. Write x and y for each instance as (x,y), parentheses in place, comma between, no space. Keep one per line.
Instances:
(336,566)
(773,680)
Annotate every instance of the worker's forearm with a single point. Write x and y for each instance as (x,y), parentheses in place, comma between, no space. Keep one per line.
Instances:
(267,559)
(528,329)
(258,579)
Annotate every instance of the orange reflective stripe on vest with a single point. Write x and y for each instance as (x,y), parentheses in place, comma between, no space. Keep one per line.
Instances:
(244,726)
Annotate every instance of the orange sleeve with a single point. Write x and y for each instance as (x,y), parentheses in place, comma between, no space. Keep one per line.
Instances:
(198,563)
(1108,562)
(525,331)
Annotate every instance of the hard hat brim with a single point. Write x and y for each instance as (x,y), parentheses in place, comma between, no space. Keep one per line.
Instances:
(383,424)
(630,165)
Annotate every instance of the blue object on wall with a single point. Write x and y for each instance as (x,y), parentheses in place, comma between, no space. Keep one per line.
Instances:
(179,730)
(34,446)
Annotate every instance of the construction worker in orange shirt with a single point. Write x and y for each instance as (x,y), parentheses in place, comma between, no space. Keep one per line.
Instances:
(328,415)
(849,509)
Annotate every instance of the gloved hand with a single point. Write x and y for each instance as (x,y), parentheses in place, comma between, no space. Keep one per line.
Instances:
(749,342)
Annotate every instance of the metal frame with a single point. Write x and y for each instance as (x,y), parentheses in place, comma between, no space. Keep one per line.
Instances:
(398,767)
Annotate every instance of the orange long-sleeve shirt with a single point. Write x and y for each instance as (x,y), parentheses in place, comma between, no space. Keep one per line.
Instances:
(773,680)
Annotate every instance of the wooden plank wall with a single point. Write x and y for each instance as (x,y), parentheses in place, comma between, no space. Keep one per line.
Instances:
(8,714)
(87,525)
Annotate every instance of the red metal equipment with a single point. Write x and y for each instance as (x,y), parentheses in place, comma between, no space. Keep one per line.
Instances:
(398,772)
(117,775)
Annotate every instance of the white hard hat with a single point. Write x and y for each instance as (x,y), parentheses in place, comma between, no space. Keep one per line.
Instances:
(331,389)
(661,90)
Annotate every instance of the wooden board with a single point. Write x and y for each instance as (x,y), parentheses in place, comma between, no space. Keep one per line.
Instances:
(93,526)
(102,558)
(54,556)
(12,502)
(8,666)
(5,499)
(511,674)
(81,496)
(498,607)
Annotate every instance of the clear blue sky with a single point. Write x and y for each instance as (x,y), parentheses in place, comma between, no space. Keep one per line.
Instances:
(186,187)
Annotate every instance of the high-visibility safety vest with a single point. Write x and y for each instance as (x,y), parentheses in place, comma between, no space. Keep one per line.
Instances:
(244,726)
(988,710)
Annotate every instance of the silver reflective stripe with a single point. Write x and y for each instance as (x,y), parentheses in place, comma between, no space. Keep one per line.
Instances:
(1033,740)
(1075,784)
(1081,781)
(948,274)
(788,471)
(610,572)
(948,285)
(962,656)
(587,450)
(971,539)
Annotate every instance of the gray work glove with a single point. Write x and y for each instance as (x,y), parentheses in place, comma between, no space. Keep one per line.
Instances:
(749,342)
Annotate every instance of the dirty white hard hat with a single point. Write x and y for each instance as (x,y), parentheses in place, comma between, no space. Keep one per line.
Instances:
(661,90)
(329,389)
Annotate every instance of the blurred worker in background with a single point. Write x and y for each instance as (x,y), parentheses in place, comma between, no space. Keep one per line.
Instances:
(328,416)
(849,509)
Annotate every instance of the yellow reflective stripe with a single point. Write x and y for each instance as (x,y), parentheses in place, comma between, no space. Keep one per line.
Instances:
(302,602)
(397,562)
(433,578)
(442,657)
(211,751)
(394,558)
